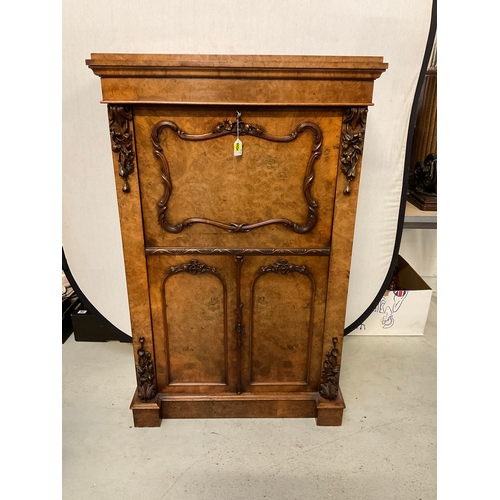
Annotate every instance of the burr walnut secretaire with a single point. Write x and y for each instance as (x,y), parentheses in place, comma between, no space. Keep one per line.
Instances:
(237,181)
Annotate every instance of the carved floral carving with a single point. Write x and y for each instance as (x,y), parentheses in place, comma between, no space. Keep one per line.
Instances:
(233,127)
(284,267)
(329,388)
(121,140)
(193,267)
(146,386)
(353,137)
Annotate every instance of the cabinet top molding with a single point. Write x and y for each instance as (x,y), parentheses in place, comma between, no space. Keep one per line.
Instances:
(164,64)
(237,79)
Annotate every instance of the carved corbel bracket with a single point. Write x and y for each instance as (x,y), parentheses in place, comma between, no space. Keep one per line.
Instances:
(121,140)
(329,388)
(146,386)
(353,138)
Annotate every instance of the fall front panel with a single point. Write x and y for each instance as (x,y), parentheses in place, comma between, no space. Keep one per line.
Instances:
(196,193)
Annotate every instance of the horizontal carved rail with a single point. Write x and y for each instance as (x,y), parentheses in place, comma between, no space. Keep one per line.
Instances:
(236,251)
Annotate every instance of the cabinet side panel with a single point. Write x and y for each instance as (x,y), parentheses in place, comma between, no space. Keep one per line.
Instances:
(130,211)
(346,199)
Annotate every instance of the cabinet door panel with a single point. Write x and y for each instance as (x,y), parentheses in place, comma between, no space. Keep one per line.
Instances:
(192,303)
(193,325)
(285,301)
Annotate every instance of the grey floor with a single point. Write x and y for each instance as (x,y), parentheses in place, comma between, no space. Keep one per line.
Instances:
(385,448)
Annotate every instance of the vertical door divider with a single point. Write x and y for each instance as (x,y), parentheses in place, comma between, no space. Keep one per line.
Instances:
(239,329)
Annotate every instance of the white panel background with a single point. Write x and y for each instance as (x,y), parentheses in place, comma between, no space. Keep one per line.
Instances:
(394,29)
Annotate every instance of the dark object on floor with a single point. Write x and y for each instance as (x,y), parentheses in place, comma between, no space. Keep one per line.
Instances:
(88,328)
(70,302)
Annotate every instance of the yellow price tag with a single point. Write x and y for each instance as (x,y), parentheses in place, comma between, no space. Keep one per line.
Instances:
(238,148)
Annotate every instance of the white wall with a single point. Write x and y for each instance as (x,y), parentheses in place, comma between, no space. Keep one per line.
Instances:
(419,249)
(394,29)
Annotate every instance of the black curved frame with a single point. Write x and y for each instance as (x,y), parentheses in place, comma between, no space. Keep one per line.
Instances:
(122,336)
(406,175)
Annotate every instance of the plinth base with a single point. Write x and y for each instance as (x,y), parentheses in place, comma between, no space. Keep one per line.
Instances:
(278,405)
(145,414)
(330,412)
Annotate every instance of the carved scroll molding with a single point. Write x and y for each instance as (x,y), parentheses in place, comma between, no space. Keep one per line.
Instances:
(194,267)
(121,140)
(236,251)
(283,267)
(146,386)
(353,137)
(329,388)
(229,128)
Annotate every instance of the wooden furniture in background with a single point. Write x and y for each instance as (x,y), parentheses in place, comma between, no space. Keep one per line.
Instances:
(422,190)
(237,265)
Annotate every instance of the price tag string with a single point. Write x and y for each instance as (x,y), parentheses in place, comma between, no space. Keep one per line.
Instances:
(238,115)
(238,146)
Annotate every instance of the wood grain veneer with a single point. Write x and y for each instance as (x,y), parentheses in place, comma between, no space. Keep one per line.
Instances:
(237,266)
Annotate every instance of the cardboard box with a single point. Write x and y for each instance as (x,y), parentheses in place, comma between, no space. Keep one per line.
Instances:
(400,312)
